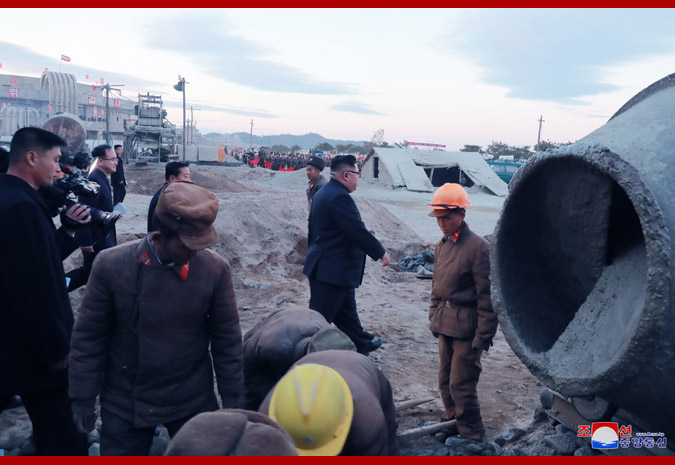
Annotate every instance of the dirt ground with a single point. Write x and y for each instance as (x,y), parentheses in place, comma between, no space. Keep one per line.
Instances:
(262,224)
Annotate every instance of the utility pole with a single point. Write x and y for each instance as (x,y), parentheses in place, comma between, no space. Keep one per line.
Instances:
(541,120)
(108,139)
(180,87)
(250,145)
(192,124)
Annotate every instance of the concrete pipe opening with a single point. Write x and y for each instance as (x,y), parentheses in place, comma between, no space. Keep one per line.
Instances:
(570,270)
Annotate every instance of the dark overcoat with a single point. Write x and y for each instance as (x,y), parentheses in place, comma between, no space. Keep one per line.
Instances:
(36,319)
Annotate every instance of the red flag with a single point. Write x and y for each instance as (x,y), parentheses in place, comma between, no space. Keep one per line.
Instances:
(101,81)
(268,164)
(86,76)
(0,65)
(65,58)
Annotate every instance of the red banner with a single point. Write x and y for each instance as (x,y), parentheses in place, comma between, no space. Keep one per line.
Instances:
(268,164)
(255,161)
(424,144)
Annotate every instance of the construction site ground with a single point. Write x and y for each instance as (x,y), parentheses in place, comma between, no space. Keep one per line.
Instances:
(262,229)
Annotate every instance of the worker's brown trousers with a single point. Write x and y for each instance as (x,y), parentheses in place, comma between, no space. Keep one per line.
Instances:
(457,380)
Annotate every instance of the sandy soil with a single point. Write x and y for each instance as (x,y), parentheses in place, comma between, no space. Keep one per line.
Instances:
(262,226)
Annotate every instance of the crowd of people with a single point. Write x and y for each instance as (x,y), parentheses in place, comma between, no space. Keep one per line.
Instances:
(283,161)
(159,319)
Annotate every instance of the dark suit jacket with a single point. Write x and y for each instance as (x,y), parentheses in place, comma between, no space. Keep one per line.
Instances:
(118,175)
(95,234)
(153,206)
(338,239)
(35,314)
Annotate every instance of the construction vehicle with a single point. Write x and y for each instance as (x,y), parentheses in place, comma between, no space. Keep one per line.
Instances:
(152,138)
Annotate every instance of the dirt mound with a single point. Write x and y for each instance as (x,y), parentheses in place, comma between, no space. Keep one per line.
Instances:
(264,234)
(147,179)
(214,181)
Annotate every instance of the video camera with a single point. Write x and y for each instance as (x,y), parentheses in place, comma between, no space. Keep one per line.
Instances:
(74,182)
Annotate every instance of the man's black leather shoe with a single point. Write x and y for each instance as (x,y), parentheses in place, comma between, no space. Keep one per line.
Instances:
(372,346)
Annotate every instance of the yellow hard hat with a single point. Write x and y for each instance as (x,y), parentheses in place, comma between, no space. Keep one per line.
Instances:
(448,197)
(314,405)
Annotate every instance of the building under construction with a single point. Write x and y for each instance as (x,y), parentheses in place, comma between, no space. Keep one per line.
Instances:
(30,101)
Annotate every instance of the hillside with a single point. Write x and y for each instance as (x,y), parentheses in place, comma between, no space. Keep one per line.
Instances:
(243,139)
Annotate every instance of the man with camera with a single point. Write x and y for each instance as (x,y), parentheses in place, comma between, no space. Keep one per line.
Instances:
(36,319)
(96,236)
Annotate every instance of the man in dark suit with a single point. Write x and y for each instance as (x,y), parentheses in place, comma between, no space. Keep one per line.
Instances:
(338,245)
(36,319)
(117,178)
(174,171)
(96,237)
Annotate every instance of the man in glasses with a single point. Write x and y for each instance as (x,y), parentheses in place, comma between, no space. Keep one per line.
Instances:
(96,237)
(338,245)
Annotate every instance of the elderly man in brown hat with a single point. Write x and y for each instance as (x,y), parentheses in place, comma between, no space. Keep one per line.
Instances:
(158,316)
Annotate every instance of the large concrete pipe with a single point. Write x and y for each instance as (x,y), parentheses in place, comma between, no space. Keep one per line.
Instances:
(582,262)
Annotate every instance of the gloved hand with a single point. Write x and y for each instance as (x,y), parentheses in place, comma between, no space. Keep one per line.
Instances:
(84,415)
(435,334)
(478,343)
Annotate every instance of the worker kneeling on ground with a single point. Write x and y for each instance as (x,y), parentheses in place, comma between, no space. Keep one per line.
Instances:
(460,314)
(335,402)
(277,342)
(231,432)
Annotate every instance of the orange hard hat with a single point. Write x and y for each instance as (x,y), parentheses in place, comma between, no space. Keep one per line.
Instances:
(448,197)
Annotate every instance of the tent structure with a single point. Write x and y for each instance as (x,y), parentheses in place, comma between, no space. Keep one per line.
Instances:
(422,170)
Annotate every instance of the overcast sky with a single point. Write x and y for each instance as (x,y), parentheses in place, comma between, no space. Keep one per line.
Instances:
(443,76)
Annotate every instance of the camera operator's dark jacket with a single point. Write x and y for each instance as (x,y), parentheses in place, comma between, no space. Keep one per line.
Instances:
(36,319)
(95,234)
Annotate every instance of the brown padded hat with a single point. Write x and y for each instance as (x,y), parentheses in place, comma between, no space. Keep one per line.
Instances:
(189,210)
(231,432)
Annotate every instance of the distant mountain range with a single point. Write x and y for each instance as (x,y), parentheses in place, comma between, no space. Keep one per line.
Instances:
(243,139)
